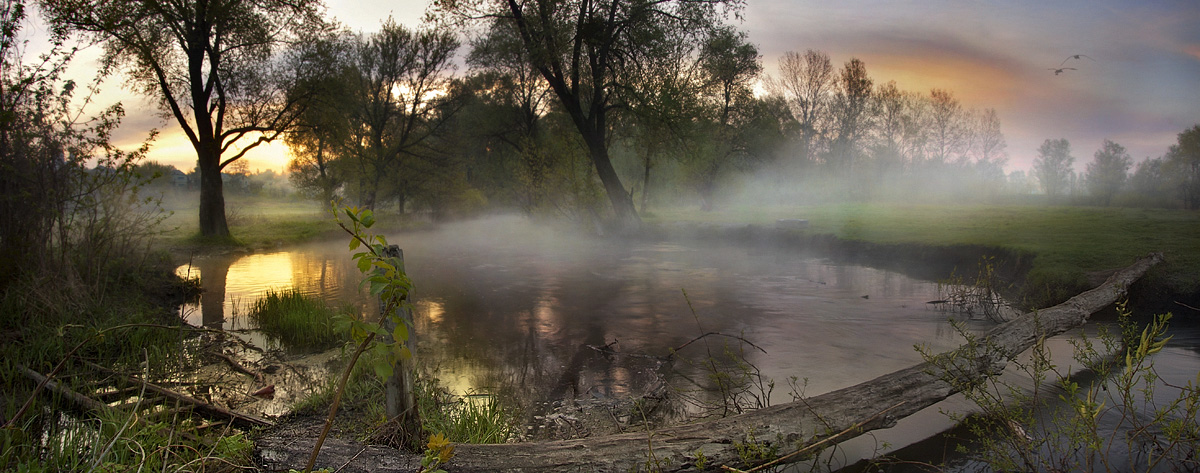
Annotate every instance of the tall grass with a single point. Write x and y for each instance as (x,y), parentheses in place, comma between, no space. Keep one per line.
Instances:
(299,321)
(478,418)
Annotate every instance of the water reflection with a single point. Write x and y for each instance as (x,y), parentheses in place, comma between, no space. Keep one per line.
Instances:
(500,304)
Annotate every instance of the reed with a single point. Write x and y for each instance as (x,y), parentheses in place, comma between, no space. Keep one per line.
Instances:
(298,320)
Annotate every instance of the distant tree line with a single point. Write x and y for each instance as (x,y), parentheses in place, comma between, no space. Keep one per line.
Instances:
(584,108)
(1169,181)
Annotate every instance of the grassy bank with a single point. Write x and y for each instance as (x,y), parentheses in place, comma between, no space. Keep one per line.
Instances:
(1069,242)
(254,221)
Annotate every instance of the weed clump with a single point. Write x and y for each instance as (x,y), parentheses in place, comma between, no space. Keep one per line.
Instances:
(296,319)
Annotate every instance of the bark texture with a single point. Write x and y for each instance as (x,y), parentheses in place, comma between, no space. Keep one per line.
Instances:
(845,413)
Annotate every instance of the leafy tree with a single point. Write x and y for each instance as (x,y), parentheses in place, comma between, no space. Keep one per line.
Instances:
(729,64)
(68,201)
(1183,158)
(1052,167)
(374,114)
(319,128)
(211,64)
(399,77)
(1106,174)
(1150,184)
(583,49)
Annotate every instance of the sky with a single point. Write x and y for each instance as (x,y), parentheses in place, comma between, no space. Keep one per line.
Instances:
(1138,86)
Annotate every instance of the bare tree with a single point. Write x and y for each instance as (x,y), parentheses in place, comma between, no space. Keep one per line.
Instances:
(398,76)
(948,131)
(806,82)
(211,64)
(851,112)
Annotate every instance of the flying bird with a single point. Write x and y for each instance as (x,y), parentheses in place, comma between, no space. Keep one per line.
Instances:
(1059,70)
(1075,56)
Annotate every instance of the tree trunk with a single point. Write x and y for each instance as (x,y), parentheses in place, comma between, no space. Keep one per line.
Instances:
(212,195)
(826,419)
(626,215)
(645,180)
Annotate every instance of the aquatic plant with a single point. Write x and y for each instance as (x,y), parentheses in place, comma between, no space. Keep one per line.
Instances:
(477,418)
(298,320)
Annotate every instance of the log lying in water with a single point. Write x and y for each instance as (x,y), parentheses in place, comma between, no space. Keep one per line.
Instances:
(845,413)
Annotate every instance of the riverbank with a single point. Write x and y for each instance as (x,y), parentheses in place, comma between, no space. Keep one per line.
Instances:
(259,222)
(1046,253)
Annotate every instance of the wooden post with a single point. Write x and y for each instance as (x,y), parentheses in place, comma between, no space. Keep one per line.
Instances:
(401,394)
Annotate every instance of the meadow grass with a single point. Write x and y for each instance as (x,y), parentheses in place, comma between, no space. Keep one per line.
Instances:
(296,319)
(1068,242)
(254,221)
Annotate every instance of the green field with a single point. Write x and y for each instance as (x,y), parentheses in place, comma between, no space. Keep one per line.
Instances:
(1069,242)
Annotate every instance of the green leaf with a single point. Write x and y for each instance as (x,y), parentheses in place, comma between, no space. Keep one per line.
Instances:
(364,264)
(383,370)
(405,353)
(354,242)
(368,218)
(400,333)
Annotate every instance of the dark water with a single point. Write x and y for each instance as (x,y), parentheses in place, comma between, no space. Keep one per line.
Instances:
(501,305)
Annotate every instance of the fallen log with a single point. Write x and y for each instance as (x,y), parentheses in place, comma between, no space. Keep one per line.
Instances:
(829,418)
(201,407)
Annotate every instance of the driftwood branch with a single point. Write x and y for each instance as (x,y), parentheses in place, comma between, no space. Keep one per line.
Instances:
(200,407)
(797,425)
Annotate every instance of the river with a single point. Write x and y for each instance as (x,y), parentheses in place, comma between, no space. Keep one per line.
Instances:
(502,305)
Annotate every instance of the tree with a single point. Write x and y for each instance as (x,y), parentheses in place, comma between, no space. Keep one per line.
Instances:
(805,82)
(1052,167)
(398,78)
(1150,184)
(583,48)
(322,125)
(729,64)
(1183,158)
(665,104)
(1106,174)
(851,113)
(211,64)
(991,154)
(949,135)
(68,201)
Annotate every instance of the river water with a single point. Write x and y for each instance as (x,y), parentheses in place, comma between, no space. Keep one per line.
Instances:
(503,306)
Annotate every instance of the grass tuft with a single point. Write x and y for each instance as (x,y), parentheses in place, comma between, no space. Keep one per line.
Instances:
(299,321)
(477,418)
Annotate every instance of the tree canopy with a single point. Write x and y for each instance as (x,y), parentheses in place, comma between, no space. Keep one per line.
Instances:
(213,66)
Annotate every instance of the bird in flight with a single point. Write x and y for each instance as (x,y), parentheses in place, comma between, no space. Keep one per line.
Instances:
(1074,56)
(1059,70)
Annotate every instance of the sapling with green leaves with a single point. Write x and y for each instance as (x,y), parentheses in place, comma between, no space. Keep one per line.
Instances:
(384,278)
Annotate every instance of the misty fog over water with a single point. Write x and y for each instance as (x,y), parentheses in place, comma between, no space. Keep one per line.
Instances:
(504,306)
